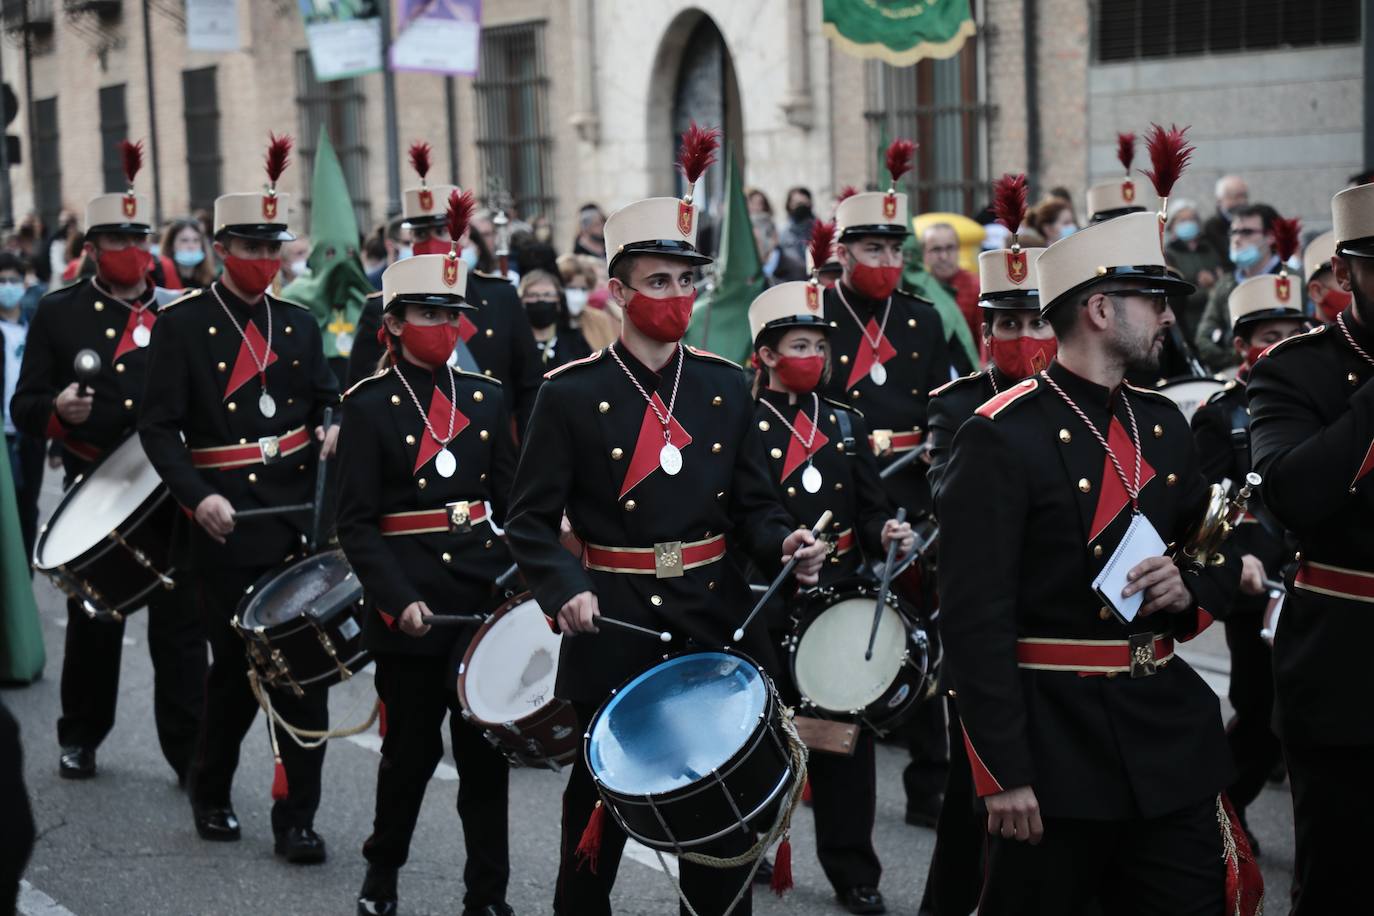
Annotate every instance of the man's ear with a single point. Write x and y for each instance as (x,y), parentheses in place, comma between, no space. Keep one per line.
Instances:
(1100,311)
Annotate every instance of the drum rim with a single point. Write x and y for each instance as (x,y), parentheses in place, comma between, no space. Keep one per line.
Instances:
(287,627)
(794,643)
(465,665)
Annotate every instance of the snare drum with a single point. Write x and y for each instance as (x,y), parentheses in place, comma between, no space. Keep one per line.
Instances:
(1190,393)
(505,686)
(108,544)
(690,750)
(302,624)
(826,653)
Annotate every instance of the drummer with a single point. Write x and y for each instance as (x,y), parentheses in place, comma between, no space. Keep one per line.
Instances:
(815,465)
(242,384)
(112,314)
(652,450)
(422,462)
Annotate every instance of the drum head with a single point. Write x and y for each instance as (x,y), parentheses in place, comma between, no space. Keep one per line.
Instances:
(829,664)
(1190,393)
(100,503)
(512,668)
(299,588)
(676,722)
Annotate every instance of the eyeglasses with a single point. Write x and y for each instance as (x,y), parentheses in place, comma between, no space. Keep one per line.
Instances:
(1157,299)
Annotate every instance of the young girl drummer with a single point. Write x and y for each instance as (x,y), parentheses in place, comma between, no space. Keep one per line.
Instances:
(819,459)
(426,460)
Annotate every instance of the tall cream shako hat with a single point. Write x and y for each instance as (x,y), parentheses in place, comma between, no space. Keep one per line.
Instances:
(425,205)
(1007,277)
(433,279)
(1270,296)
(879,212)
(1316,257)
(1119,196)
(127,212)
(1352,211)
(665,226)
(260,215)
(1129,247)
(795,304)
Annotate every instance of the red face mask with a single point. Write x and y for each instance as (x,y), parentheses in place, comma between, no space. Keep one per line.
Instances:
(1253,353)
(799,373)
(664,320)
(430,344)
(251,275)
(432,245)
(1332,303)
(124,267)
(875,282)
(1024,356)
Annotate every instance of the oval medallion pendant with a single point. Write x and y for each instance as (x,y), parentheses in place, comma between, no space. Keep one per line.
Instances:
(877,374)
(811,479)
(445,463)
(141,335)
(670,459)
(266,406)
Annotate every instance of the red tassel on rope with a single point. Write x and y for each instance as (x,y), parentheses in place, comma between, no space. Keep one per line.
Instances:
(782,868)
(806,793)
(589,847)
(279,786)
(381,719)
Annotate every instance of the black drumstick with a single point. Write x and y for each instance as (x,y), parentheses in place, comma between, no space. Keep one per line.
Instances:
(86,366)
(273,510)
(321,471)
(503,582)
(882,588)
(922,546)
(452,620)
(782,577)
(903,461)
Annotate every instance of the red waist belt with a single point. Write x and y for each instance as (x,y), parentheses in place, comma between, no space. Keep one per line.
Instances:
(665,560)
(83,450)
(266,450)
(1351,584)
(456,516)
(888,442)
(1092,656)
(843,543)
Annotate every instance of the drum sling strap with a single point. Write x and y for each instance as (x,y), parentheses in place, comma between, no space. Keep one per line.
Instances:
(1240,445)
(846,430)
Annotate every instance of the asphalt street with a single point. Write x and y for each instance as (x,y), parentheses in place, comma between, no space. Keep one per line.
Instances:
(123,843)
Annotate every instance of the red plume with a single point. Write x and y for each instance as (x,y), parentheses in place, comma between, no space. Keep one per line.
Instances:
(1170,153)
(1009,201)
(132,153)
(1125,150)
(846,192)
(460,209)
(420,158)
(822,238)
(278,156)
(698,151)
(1286,237)
(899,156)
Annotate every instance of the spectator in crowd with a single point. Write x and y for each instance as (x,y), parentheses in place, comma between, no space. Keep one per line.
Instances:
(1251,250)
(185,256)
(541,294)
(796,235)
(1231,193)
(295,258)
(527,253)
(757,202)
(1052,219)
(964,356)
(78,265)
(1059,192)
(25,453)
(778,265)
(940,255)
(591,226)
(68,226)
(579,276)
(373,253)
(1190,252)
(395,241)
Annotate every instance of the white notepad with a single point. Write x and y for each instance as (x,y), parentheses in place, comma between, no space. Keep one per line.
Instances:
(1140,543)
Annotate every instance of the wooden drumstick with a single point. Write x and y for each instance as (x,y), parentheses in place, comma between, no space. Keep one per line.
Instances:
(661,636)
(816,529)
(883,587)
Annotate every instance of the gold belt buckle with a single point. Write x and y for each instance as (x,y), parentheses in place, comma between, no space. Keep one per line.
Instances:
(668,560)
(1143,661)
(459,516)
(882,442)
(270,448)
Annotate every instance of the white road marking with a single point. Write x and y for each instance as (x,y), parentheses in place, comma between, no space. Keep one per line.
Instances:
(33,902)
(645,856)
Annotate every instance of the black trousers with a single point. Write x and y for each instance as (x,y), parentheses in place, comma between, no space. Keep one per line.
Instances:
(16,824)
(90,675)
(844,793)
(1163,866)
(26,467)
(230,709)
(1330,818)
(417,697)
(925,775)
(582,892)
(1254,746)
(955,875)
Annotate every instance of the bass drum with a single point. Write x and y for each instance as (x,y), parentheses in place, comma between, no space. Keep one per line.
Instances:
(1190,393)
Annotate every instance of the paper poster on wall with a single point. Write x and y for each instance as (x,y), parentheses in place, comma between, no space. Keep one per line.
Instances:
(345,37)
(437,36)
(212,25)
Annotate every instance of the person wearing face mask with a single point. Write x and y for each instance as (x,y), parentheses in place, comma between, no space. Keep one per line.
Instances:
(25,451)
(234,421)
(421,437)
(295,260)
(542,296)
(1231,194)
(114,313)
(1327,298)
(579,277)
(184,259)
(1312,423)
(810,475)
(801,219)
(1190,252)
(645,443)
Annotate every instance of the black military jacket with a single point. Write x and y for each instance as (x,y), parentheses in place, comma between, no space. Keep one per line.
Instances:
(1312,436)
(381,445)
(950,405)
(1030,510)
(566,346)
(67,321)
(915,355)
(497,334)
(592,450)
(206,394)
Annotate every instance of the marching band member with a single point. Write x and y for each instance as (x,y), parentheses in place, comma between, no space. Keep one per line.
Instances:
(242,384)
(652,450)
(1313,424)
(422,456)
(1099,756)
(112,313)
(816,465)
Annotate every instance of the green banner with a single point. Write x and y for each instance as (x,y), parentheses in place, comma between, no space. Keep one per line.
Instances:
(900,32)
(21,635)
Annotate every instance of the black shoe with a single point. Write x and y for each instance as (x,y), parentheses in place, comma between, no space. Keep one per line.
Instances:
(217,824)
(378,896)
(764,875)
(76,763)
(923,816)
(862,900)
(300,846)
(491,909)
